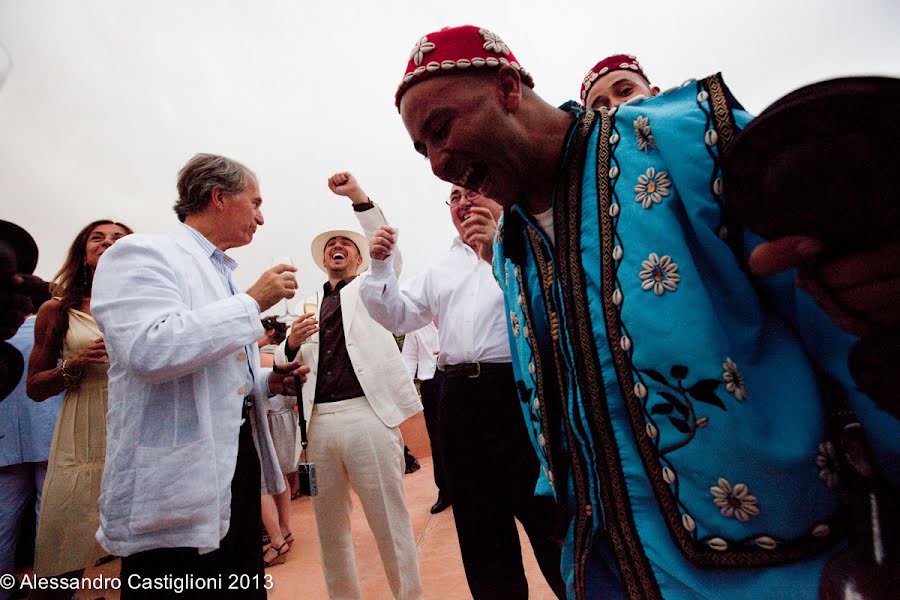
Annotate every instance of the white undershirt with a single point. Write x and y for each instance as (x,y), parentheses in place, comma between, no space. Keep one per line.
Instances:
(544,220)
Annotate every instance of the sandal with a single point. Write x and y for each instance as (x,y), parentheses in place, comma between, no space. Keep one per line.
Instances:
(280,552)
(289,538)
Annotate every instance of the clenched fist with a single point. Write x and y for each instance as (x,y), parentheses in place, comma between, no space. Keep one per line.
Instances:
(382,242)
(274,285)
(478,232)
(345,184)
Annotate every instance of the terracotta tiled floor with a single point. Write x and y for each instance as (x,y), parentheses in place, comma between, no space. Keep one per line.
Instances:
(300,576)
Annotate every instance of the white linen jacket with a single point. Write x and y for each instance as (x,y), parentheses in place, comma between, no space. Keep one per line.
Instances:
(176,341)
(373,351)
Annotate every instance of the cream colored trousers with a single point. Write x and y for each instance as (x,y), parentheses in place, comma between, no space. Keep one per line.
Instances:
(352,448)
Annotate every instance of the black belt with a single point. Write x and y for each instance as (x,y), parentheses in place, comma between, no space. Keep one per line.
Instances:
(474,370)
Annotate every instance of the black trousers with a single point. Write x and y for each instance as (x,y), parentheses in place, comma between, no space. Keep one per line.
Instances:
(433,396)
(491,472)
(238,563)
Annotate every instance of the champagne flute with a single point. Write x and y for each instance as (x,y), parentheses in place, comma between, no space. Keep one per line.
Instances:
(311,303)
(282,309)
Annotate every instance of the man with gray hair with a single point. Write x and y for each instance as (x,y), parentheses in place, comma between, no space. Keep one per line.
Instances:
(187,437)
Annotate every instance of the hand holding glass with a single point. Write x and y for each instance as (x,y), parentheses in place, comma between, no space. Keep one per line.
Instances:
(283,310)
(311,303)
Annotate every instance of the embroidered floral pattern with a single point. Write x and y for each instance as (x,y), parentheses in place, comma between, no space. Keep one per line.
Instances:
(659,274)
(493,43)
(419,51)
(652,187)
(682,403)
(643,134)
(514,321)
(827,464)
(734,381)
(734,502)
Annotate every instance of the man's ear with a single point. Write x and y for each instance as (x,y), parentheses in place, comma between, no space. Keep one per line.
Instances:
(654,90)
(217,198)
(509,88)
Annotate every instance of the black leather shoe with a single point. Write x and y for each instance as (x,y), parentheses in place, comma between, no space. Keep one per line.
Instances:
(441,504)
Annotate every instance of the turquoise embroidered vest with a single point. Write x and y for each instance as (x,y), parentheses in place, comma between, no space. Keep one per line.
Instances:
(672,400)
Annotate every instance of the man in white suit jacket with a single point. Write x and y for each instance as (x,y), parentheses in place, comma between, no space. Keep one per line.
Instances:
(357,394)
(187,437)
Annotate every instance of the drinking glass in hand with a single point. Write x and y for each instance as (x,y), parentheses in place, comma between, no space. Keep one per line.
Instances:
(284,310)
(311,303)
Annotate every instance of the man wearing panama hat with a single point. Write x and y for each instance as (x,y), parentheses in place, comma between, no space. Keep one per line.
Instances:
(357,394)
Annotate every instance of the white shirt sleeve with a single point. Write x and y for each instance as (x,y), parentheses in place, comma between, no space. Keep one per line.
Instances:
(398,311)
(372,219)
(410,354)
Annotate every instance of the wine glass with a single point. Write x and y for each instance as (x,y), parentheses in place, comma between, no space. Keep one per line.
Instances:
(285,309)
(311,303)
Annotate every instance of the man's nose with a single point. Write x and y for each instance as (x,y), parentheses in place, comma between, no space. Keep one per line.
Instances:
(259,218)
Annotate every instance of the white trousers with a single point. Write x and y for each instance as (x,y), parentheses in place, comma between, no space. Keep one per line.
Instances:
(353,448)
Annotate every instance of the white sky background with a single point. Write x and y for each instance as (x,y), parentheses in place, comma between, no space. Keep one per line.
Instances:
(106,100)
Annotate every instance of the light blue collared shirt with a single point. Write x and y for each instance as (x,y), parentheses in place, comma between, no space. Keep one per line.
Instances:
(225,265)
(26,426)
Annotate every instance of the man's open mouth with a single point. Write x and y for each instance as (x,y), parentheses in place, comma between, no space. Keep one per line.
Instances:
(338,255)
(473,176)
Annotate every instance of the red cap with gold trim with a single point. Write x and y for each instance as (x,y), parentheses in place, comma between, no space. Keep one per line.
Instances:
(455,50)
(616,62)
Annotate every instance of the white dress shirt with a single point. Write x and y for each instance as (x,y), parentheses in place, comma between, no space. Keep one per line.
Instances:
(458,292)
(420,352)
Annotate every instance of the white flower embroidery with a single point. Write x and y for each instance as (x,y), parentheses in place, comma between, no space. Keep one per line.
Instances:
(493,43)
(652,187)
(419,51)
(514,321)
(827,464)
(659,274)
(734,502)
(734,381)
(643,134)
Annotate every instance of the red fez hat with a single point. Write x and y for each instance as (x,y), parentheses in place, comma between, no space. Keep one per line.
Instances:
(455,49)
(616,62)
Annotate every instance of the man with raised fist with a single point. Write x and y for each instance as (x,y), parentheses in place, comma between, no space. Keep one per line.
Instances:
(357,395)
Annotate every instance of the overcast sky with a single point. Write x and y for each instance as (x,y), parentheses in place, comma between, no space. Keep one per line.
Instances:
(107,99)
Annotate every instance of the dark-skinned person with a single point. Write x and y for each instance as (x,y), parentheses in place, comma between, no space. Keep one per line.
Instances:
(668,371)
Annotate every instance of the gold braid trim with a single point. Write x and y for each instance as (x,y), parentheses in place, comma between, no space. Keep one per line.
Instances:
(634,567)
(583,523)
